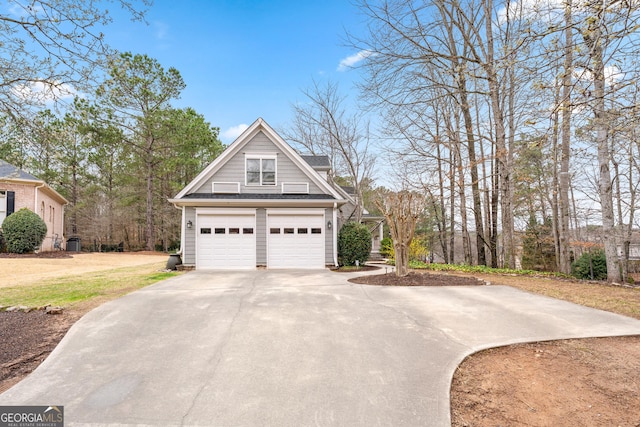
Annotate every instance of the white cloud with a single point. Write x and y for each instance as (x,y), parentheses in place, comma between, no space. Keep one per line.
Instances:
(543,10)
(161,30)
(612,74)
(234,131)
(352,60)
(45,92)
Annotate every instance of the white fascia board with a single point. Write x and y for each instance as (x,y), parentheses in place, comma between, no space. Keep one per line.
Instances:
(222,211)
(40,184)
(290,211)
(258,203)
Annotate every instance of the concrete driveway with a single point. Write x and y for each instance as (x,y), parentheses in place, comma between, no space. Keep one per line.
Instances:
(288,348)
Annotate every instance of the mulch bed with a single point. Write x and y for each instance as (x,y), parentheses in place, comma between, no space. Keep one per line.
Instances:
(415,278)
(27,339)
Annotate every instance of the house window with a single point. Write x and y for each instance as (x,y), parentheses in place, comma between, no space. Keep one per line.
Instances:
(260,171)
(3,205)
(7,204)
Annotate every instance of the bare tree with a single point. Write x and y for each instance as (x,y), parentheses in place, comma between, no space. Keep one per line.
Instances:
(322,126)
(49,50)
(401,211)
(564,261)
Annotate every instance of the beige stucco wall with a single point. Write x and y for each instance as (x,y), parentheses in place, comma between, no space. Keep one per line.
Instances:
(43,202)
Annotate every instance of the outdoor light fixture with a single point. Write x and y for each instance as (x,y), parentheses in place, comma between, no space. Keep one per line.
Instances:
(189,224)
(329,224)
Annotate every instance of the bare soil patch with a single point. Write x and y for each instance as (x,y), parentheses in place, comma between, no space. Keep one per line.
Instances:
(416,278)
(590,382)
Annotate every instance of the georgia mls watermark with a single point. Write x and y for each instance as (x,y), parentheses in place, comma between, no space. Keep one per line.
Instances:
(31,416)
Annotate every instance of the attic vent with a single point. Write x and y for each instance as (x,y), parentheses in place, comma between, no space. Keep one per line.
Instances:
(226,188)
(295,188)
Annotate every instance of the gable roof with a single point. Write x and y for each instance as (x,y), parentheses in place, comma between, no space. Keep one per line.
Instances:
(317,162)
(8,171)
(236,146)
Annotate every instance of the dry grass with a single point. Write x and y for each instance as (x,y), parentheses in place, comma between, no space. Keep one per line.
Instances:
(78,281)
(616,299)
(29,270)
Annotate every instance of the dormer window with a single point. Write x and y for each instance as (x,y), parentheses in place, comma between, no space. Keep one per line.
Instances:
(260,170)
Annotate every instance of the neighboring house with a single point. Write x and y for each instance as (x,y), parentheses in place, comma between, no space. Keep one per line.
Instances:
(260,203)
(634,251)
(19,189)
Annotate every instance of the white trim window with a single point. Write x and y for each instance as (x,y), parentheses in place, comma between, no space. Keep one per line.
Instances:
(260,170)
(3,205)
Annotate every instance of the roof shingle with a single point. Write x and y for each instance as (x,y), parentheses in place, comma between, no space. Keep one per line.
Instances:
(8,171)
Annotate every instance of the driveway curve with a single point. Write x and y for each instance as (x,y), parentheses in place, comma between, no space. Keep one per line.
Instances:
(288,348)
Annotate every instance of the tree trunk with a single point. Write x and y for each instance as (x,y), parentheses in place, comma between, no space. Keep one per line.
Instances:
(473,169)
(150,230)
(593,37)
(502,154)
(457,167)
(402,259)
(463,101)
(452,212)
(555,204)
(564,253)
(442,228)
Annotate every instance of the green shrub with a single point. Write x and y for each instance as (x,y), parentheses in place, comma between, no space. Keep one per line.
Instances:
(354,243)
(418,250)
(24,231)
(386,247)
(3,243)
(596,260)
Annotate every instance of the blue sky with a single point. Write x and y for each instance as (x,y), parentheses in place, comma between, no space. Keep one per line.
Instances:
(245,59)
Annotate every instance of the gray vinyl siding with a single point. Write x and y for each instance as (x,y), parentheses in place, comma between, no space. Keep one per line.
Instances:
(189,251)
(345,214)
(261,236)
(328,237)
(234,169)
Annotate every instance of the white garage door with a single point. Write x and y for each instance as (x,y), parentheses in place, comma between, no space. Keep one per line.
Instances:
(225,241)
(295,241)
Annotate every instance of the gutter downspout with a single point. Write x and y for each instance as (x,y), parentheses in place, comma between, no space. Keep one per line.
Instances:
(35,207)
(182,230)
(335,234)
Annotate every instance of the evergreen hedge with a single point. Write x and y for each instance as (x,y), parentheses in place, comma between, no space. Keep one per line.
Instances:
(354,244)
(596,260)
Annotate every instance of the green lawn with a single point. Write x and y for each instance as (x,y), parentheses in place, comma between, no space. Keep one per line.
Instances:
(72,291)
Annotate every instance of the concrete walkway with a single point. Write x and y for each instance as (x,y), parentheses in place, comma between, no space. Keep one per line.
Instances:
(288,348)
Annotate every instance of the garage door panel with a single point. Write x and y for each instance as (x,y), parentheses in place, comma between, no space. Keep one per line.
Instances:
(296,241)
(226,242)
